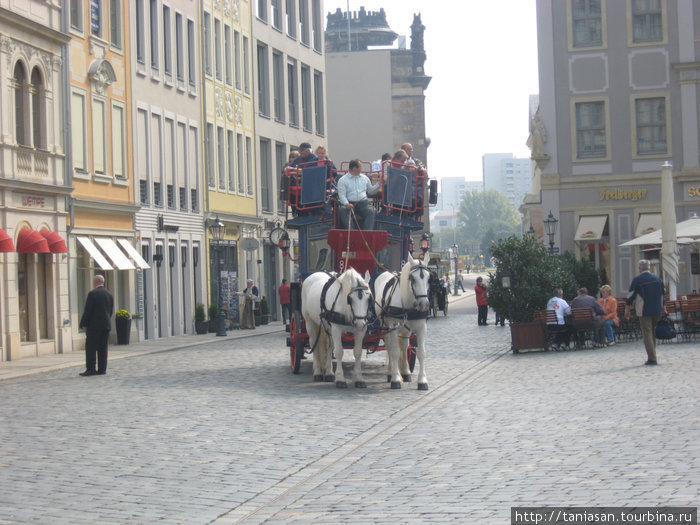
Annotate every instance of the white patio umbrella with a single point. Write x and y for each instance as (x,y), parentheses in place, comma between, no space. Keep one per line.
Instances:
(669,244)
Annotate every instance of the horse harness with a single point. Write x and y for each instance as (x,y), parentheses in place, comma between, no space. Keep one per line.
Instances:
(331,316)
(398,312)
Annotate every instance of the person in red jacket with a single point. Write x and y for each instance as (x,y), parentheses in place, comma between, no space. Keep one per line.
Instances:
(481,302)
(285,300)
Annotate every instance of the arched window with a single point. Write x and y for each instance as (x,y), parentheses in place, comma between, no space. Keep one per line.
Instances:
(38,120)
(20,80)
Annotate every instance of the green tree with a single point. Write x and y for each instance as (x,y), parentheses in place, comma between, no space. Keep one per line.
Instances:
(583,272)
(485,214)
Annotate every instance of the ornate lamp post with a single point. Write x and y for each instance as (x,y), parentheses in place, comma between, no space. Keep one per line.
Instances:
(216,228)
(455,251)
(507,284)
(550,228)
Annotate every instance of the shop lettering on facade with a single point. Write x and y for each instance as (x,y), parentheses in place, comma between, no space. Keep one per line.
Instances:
(693,191)
(622,195)
(32,201)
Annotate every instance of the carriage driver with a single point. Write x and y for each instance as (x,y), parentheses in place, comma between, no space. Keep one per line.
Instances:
(353,188)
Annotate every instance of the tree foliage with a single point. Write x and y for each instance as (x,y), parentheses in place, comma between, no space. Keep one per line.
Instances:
(487,213)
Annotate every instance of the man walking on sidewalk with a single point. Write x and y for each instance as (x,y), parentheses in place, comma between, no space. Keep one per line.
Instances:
(647,294)
(97,321)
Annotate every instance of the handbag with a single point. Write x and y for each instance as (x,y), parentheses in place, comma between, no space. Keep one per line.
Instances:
(665,329)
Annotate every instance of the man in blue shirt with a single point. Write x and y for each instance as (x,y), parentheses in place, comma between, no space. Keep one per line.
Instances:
(647,294)
(353,189)
(305,155)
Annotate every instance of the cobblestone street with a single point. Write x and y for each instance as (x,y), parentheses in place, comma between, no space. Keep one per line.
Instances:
(224,433)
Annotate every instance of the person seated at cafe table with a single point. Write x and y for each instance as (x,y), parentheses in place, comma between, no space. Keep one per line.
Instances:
(583,300)
(562,309)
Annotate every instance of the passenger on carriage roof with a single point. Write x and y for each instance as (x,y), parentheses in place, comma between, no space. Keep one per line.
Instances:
(305,155)
(353,188)
(408,148)
(377,164)
(322,154)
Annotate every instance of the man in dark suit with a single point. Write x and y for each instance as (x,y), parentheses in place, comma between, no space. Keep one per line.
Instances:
(97,321)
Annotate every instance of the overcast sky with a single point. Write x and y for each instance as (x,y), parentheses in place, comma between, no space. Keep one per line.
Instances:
(482,57)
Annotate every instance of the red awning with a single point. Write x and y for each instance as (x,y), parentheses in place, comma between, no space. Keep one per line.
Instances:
(6,244)
(55,241)
(31,241)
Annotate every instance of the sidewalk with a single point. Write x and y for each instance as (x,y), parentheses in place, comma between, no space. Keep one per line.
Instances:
(48,363)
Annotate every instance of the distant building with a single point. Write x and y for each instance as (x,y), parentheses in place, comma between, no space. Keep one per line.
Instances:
(452,190)
(507,174)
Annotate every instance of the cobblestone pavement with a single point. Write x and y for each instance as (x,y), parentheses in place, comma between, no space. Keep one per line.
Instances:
(224,433)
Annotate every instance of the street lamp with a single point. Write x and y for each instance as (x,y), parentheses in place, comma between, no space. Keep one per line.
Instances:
(507,284)
(216,228)
(531,230)
(455,250)
(550,228)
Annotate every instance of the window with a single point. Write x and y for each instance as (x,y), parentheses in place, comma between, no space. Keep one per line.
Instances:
(183,198)
(140,36)
(96,18)
(179,49)
(76,14)
(590,130)
(154,34)
(317,25)
(278,85)
(38,120)
(209,156)
(246,65)
(292,93)
(143,191)
(240,155)
(207,44)
(221,157)
(647,21)
(249,164)
(237,58)
(261,10)
(217,48)
(77,111)
(167,43)
(280,162)
(227,54)
(171,196)
(276,14)
(306,98)
(20,80)
(194,200)
(230,148)
(587,23)
(650,116)
(304,21)
(263,82)
(266,175)
(98,136)
(318,102)
(118,149)
(157,196)
(191,54)
(290,12)
(115,23)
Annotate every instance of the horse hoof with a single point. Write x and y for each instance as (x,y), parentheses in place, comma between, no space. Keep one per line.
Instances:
(396,385)
(329,378)
(341,384)
(360,384)
(318,378)
(422,386)
(406,378)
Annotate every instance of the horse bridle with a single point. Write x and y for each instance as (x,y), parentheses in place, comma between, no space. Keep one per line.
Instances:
(360,290)
(411,279)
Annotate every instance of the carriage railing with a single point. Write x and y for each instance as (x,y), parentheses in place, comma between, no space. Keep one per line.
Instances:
(307,186)
(403,188)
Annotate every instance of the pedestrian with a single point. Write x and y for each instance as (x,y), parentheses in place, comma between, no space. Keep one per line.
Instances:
(251,295)
(97,321)
(609,304)
(459,282)
(646,293)
(284,292)
(481,301)
(446,285)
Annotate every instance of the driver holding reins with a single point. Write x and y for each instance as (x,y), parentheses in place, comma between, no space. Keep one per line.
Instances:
(353,189)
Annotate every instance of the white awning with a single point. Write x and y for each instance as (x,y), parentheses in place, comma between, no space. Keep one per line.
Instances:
(648,222)
(115,254)
(590,227)
(95,253)
(134,254)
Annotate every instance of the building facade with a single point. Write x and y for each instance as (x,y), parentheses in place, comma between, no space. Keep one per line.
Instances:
(618,98)
(35,315)
(289,109)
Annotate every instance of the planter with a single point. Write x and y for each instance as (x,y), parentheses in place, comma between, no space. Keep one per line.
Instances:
(123,330)
(526,336)
(201,327)
(265,319)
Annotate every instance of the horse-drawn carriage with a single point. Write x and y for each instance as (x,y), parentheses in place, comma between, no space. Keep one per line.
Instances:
(339,265)
(439,296)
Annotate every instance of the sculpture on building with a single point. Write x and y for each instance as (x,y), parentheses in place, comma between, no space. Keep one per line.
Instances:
(538,138)
(417,47)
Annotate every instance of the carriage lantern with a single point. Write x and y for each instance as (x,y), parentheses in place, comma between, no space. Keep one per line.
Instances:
(425,243)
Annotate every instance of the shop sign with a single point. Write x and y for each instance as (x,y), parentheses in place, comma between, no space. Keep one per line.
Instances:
(618,194)
(692,191)
(34,201)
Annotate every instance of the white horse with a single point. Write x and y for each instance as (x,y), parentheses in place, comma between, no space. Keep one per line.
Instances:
(336,304)
(403,307)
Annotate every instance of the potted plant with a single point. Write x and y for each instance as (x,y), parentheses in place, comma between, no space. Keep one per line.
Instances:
(201,325)
(123,325)
(213,312)
(264,311)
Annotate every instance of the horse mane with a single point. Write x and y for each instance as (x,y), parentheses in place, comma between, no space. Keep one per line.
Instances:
(348,278)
